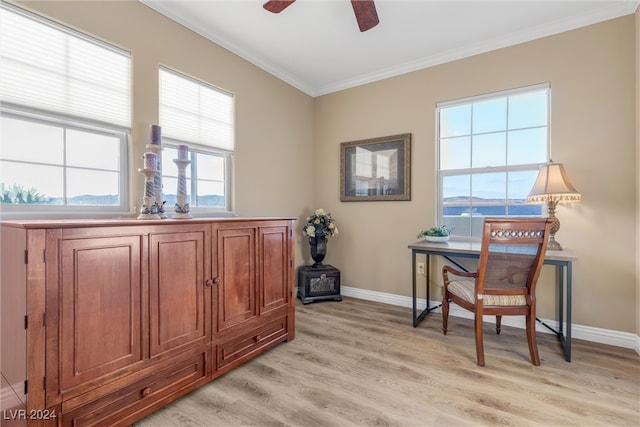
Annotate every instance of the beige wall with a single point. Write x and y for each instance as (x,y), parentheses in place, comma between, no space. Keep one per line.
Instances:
(637,16)
(274,132)
(591,71)
(287,158)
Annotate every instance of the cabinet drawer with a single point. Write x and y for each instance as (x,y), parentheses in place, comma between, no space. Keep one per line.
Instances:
(246,346)
(142,397)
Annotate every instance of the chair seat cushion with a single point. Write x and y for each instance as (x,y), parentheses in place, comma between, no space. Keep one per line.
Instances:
(465,289)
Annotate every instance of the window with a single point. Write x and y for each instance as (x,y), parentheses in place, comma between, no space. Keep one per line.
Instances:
(49,163)
(200,116)
(489,151)
(65,97)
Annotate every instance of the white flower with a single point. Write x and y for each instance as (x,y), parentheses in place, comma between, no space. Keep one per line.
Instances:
(320,223)
(334,230)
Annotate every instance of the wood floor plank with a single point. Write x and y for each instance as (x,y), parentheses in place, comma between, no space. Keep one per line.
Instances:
(361,363)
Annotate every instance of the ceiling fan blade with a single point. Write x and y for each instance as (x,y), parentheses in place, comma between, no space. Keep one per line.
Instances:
(277,6)
(366,15)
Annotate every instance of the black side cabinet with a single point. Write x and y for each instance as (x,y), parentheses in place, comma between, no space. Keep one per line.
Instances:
(318,283)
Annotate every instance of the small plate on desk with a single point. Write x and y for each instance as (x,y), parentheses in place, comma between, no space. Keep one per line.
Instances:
(436,239)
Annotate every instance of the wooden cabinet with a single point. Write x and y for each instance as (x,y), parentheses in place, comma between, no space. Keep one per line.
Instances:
(135,398)
(94,317)
(274,268)
(253,276)
(179,298)
(114,319)
(234,270)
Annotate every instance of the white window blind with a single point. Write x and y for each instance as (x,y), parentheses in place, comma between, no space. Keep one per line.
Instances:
(193,111)
(48,67)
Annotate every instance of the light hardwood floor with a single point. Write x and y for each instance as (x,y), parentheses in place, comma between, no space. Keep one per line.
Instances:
(361,363)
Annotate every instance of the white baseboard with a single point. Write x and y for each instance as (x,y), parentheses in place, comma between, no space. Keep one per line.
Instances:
(587,333)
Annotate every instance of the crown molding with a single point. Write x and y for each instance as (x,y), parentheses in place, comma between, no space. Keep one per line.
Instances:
(612,11)
(608,12)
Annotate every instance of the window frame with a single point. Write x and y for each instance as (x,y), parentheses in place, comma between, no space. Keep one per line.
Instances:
(47,115)
(65,123)
(471,171)
(192,183)
(195,148)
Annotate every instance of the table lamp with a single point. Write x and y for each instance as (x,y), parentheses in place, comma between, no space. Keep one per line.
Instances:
(552,186)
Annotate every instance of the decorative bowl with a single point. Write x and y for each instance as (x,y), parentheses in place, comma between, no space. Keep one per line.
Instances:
(436,239)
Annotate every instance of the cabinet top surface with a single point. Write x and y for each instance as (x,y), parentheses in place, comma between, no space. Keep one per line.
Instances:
(74,223)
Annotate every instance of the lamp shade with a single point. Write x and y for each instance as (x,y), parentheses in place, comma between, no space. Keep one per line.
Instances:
(553,185)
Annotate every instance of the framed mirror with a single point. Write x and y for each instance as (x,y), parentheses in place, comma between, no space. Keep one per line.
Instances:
(376,169)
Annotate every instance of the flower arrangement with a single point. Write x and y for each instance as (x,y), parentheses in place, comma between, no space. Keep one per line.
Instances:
(320,223)
(441,231)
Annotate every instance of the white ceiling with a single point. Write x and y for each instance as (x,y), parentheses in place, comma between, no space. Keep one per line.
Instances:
(315,45)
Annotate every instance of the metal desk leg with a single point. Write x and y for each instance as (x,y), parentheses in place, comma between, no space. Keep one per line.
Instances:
(564,328)
(413,274)
(560,281)
(428,279)
(567,345)
(564,306)
(417,318)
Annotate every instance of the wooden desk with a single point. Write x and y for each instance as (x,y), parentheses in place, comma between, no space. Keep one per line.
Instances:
(563,261)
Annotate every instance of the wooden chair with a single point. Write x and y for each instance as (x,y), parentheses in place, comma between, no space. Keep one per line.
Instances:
(511,256)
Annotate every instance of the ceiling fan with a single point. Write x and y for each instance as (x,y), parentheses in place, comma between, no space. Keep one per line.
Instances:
(365,11)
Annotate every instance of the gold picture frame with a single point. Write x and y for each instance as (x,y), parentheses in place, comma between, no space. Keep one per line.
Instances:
(376,169)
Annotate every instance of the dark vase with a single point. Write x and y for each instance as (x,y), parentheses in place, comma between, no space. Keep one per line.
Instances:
(318,248)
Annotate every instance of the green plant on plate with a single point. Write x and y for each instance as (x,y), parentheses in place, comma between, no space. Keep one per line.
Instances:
(441,231)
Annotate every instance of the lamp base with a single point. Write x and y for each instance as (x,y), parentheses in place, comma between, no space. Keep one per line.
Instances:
(553,245)
(555,226)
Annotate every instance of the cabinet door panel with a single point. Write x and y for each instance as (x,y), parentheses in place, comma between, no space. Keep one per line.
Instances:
(178,296)
(274,268)
(236,271)
(100,316)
